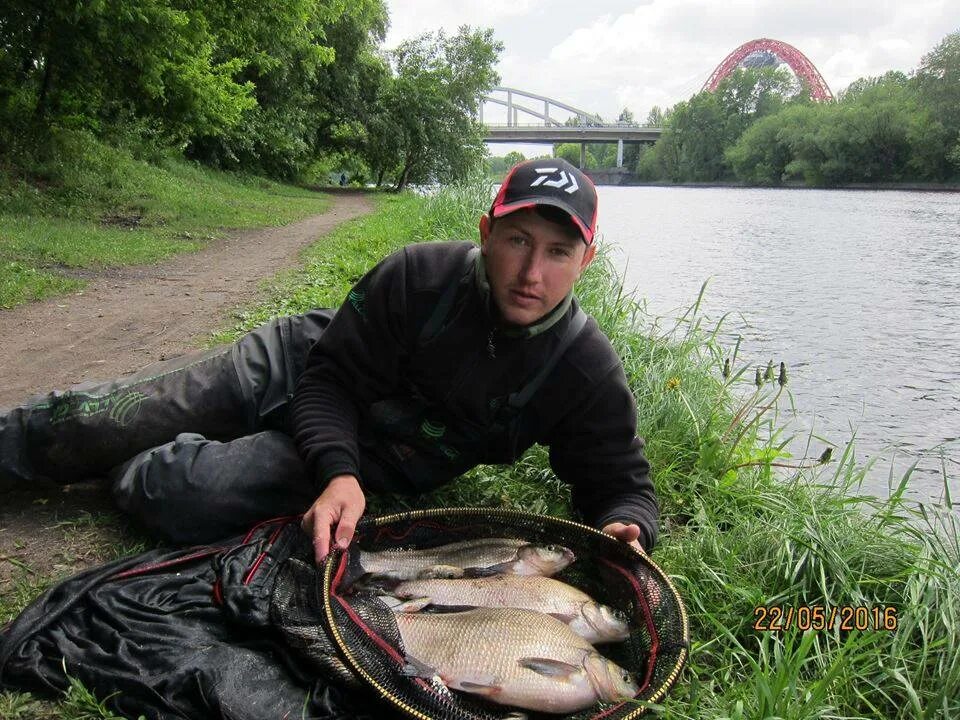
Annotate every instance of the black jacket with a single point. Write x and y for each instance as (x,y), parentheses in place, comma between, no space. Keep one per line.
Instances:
(406,410)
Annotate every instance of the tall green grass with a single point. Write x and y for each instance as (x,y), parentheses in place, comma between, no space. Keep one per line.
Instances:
(84,204)
(739,531)
(744,525)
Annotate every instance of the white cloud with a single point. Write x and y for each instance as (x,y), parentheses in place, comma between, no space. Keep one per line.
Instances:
(609,54)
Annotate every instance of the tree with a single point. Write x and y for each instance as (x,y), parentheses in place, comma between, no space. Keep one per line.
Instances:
(427,108)
(938,81)
(312,63)
(86,64)
(656,117)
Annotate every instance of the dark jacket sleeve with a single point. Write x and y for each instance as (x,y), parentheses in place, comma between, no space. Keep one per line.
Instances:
(356,360)
(596,450)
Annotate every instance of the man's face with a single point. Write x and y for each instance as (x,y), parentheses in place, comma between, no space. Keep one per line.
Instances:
(531,264)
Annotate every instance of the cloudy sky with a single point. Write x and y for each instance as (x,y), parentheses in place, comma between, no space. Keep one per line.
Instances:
(604,55)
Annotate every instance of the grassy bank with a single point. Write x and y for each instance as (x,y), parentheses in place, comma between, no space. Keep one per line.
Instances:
(86,206)
(739,532)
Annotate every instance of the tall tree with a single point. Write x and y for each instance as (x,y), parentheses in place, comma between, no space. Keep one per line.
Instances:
(87,63)
(938,80)
(425,129)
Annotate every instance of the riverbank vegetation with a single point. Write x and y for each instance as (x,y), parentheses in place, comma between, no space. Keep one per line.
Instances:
(760,128)
(739,530)
(97,206)
(110,145)
(293,90)
(744,525)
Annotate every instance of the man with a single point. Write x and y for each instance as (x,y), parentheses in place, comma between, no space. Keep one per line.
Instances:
(386,404)
(441,358)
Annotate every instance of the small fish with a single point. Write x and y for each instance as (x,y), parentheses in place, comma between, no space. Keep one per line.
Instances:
(594,622)
(512,657)
(470,558)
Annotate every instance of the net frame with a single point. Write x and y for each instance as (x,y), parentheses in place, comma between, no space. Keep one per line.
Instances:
(368,642)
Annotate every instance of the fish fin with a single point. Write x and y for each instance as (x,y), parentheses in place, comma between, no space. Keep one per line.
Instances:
(368,583)
(440,572)
(354,571)
(416,668)
(564,617)
(498,569)
(454,608)
(548,667)
(408,606)
(485,685)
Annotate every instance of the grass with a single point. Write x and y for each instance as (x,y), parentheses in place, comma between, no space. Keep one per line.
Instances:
(745,526)
(90,206)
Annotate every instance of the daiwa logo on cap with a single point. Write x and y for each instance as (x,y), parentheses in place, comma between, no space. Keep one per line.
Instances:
(549,181)
(559,183)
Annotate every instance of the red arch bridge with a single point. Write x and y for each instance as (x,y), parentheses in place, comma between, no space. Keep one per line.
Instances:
(533,118)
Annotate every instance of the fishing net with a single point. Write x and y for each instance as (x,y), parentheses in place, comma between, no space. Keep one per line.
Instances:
(354,638)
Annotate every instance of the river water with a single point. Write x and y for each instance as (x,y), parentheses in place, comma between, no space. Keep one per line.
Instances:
(858,292)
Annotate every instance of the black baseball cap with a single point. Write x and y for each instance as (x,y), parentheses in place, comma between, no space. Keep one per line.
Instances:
(549,181)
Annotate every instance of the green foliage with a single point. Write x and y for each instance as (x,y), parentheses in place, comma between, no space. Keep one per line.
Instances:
(938,81)
(89,205)
(151,57)
(760,129)
(422,128)
(314,70)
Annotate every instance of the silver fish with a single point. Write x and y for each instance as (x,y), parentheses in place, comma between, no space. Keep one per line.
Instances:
(512,657)
(485,556)
(594,622)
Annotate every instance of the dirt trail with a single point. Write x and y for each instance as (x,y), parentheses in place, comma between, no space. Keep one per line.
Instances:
(124,319)
(131,316)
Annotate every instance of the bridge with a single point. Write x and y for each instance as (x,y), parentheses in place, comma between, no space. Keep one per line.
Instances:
(579,127)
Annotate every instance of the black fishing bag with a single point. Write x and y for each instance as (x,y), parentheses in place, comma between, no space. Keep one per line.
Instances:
(251,628)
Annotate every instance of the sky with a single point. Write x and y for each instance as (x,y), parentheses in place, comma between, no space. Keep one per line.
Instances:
(605,55)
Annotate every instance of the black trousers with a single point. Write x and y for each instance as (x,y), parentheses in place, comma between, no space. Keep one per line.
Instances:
(197,447)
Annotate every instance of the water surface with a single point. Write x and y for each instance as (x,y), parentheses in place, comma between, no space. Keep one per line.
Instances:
(857,291)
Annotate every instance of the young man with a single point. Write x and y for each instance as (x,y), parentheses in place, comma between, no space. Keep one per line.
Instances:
(443,357)
(441,360)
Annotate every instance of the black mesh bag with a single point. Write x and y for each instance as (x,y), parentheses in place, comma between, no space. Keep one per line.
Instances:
(362,644)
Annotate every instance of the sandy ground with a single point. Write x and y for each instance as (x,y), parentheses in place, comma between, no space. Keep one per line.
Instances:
(124,319)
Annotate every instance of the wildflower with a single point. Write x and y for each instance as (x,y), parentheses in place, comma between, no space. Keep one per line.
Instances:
(825,457)
(726,368)
(782,379)
(673,383)
(758,378)
(768,375)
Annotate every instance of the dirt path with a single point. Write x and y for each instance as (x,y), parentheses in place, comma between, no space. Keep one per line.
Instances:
(125,318)
(131,316)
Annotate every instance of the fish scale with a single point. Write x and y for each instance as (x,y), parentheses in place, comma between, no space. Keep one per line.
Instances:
(498,554)
(481,651)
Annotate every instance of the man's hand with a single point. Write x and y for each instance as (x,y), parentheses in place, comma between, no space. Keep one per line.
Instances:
(630,534)
(341,505)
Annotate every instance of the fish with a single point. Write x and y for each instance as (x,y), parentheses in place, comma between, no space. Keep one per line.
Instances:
(469,558)
(521,658)
(593,621)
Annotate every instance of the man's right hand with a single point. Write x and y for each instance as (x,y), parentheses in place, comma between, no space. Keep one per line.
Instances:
(340,505)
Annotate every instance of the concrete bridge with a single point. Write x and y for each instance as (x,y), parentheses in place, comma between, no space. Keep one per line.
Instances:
(579,126)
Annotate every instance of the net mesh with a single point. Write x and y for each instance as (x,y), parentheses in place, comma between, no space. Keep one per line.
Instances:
(355,636)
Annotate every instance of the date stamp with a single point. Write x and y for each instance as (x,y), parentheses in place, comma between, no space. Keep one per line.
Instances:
(779,618)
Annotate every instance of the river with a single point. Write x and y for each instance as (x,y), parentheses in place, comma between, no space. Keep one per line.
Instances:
(858,292)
